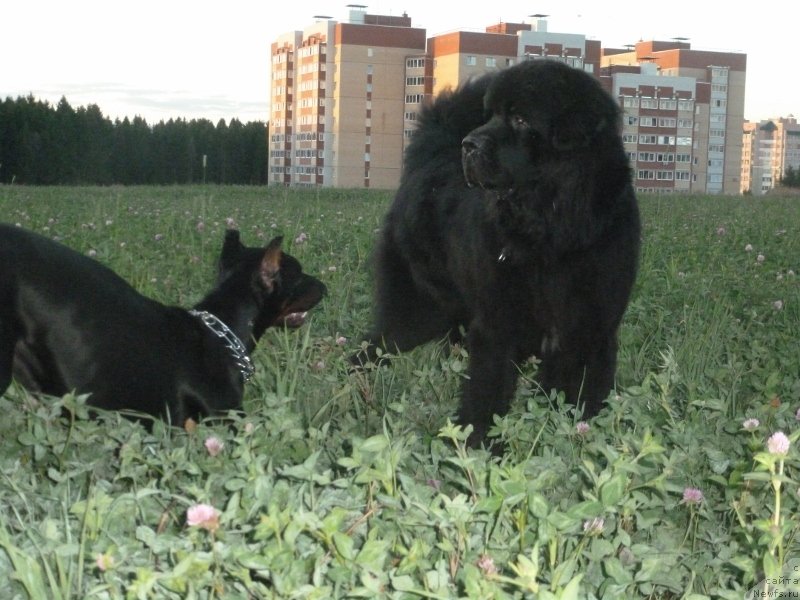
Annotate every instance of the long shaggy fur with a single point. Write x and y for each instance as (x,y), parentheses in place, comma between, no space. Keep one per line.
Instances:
(516,221)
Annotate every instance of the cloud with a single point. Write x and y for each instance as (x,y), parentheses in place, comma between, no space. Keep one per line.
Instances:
(118,101)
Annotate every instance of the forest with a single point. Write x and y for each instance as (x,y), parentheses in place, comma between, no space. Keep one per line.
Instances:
(42,144)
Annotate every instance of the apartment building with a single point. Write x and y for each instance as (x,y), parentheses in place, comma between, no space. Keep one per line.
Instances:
(683,113)
(342,114)
(770,147)
(337,101)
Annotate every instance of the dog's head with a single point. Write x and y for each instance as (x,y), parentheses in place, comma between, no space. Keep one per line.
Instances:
(273,280)
(539,113)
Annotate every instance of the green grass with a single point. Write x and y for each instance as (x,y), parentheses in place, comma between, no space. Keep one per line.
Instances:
(338,486)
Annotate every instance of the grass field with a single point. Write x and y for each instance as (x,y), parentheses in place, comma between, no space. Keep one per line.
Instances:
(334,485)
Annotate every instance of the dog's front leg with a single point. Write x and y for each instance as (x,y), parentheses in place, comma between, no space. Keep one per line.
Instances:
(491,384)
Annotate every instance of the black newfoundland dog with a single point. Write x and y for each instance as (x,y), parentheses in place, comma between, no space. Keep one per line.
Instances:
(515,221)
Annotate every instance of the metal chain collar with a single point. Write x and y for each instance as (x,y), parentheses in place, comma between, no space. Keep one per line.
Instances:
(232,343)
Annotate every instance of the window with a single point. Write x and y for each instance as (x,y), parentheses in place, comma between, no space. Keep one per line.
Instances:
(415,63)
(630,138)
(630,102)
(415,81)
(647,121)
(411,116)
(685,104)
(490,61)
(682,175)
(633,120)
(647,156)
(414,98)
(649,103)
(648,139)
(664,104)
(665,175)
(683,158)
(716,133)
(472,61)
(685,123)
(667,140)
(667,122)
(645,174)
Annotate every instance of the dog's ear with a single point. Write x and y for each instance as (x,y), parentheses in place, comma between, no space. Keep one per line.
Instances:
(231,250)
(271,263)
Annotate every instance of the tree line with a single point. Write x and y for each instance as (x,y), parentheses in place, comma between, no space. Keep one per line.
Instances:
(791,177)
(45,144)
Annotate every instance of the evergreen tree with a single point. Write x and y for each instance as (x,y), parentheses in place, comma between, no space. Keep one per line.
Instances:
(42,144)
(791,177)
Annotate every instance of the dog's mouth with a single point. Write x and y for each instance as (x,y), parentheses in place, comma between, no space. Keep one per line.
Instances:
(295,312)
(485,174)
(293,320)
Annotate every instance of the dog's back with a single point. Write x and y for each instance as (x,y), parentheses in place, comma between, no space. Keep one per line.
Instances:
(69,323)
(441,126)
(54,297)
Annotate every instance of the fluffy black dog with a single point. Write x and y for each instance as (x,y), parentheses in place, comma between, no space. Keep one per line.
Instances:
(68,323)
(517,221)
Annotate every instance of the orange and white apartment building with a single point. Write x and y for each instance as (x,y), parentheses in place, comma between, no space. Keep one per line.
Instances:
(770,148)
(345,97)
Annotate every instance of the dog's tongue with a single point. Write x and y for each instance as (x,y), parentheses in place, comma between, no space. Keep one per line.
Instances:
(295,319)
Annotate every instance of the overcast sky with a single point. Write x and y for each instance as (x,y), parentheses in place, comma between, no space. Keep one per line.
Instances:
(193,59)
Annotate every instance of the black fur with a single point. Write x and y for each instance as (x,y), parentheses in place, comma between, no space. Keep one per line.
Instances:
(68,323)
(515,219)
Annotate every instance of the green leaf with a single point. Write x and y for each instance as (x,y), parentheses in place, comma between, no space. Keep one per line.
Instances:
(772,568)
(572,589)
(614,569)
(585,510)
(612,490)
(537,504)
(561,521)
(403,583)
(344,545)
(373,554)
(254,561)
(376,443)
